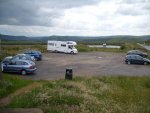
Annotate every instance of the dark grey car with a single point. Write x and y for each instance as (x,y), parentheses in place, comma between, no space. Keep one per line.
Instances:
(137,52)
(136,59)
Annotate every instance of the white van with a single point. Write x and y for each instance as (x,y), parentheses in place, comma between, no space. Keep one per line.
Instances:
(62,46)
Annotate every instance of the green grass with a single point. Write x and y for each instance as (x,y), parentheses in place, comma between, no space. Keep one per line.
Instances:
(10,50)
(11,83)
(85,48)
(115,94)
(124,48)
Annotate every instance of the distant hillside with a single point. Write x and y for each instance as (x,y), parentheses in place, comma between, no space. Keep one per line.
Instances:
(115,40)
(100,39)
(14,38)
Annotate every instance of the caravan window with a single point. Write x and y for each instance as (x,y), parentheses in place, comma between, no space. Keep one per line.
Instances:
(70,46)
(51,44)
(63,45)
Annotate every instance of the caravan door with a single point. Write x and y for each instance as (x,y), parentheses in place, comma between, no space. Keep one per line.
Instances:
(70,49)
(63,48)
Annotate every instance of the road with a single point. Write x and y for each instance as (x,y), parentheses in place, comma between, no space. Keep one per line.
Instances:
(144,46)
(53,65)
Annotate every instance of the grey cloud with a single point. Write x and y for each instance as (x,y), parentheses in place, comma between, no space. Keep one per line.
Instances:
(133,1)
(129,11)
(144,24)
(146,6)
(63,4)
(134,9)
(17,12)
(29,12)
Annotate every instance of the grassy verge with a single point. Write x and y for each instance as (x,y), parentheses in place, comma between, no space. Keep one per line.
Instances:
(11,83)
(85,48)
(124,48)
(10,50)
(117,94)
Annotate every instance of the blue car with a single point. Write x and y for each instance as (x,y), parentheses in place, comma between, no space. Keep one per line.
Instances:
(18,66)
(37,54)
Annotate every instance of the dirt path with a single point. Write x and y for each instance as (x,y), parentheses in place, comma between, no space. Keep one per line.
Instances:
(6,100)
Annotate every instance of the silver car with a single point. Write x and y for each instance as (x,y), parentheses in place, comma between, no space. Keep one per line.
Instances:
(19,66)
(23,57)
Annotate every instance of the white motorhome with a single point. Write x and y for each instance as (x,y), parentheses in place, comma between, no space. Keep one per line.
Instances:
(62,46)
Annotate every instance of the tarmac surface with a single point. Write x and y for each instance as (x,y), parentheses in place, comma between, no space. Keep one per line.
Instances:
(53,66)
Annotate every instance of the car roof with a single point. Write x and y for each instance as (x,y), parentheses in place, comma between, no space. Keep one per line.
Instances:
(22,60)
(134,50)
(27,61)
(132,55)
(9,57)
(33,51)
(22,55)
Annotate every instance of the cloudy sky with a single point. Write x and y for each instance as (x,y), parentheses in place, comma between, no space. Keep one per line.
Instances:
(75,17)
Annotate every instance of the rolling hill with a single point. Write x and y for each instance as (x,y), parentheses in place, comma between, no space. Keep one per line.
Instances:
(101,39)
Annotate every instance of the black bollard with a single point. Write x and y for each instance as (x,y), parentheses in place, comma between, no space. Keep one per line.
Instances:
(69,73)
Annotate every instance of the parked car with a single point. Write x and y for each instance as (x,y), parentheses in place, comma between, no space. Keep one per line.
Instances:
(36,54)
(137,52)
(6,60)
(23,57)
(19,66)
(136,59)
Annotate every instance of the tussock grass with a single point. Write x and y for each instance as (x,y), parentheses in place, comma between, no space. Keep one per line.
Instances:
(118,94)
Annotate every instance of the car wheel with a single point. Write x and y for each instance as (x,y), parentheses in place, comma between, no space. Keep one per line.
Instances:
(128,62)
(23,72)
(145,63)
(36,59)
(55,51)
(72,52)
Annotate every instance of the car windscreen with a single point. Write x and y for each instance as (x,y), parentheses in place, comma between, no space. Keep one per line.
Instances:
(38,52)
(139,57)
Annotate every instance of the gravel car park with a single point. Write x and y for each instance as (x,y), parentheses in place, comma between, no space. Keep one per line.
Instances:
(53,65)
